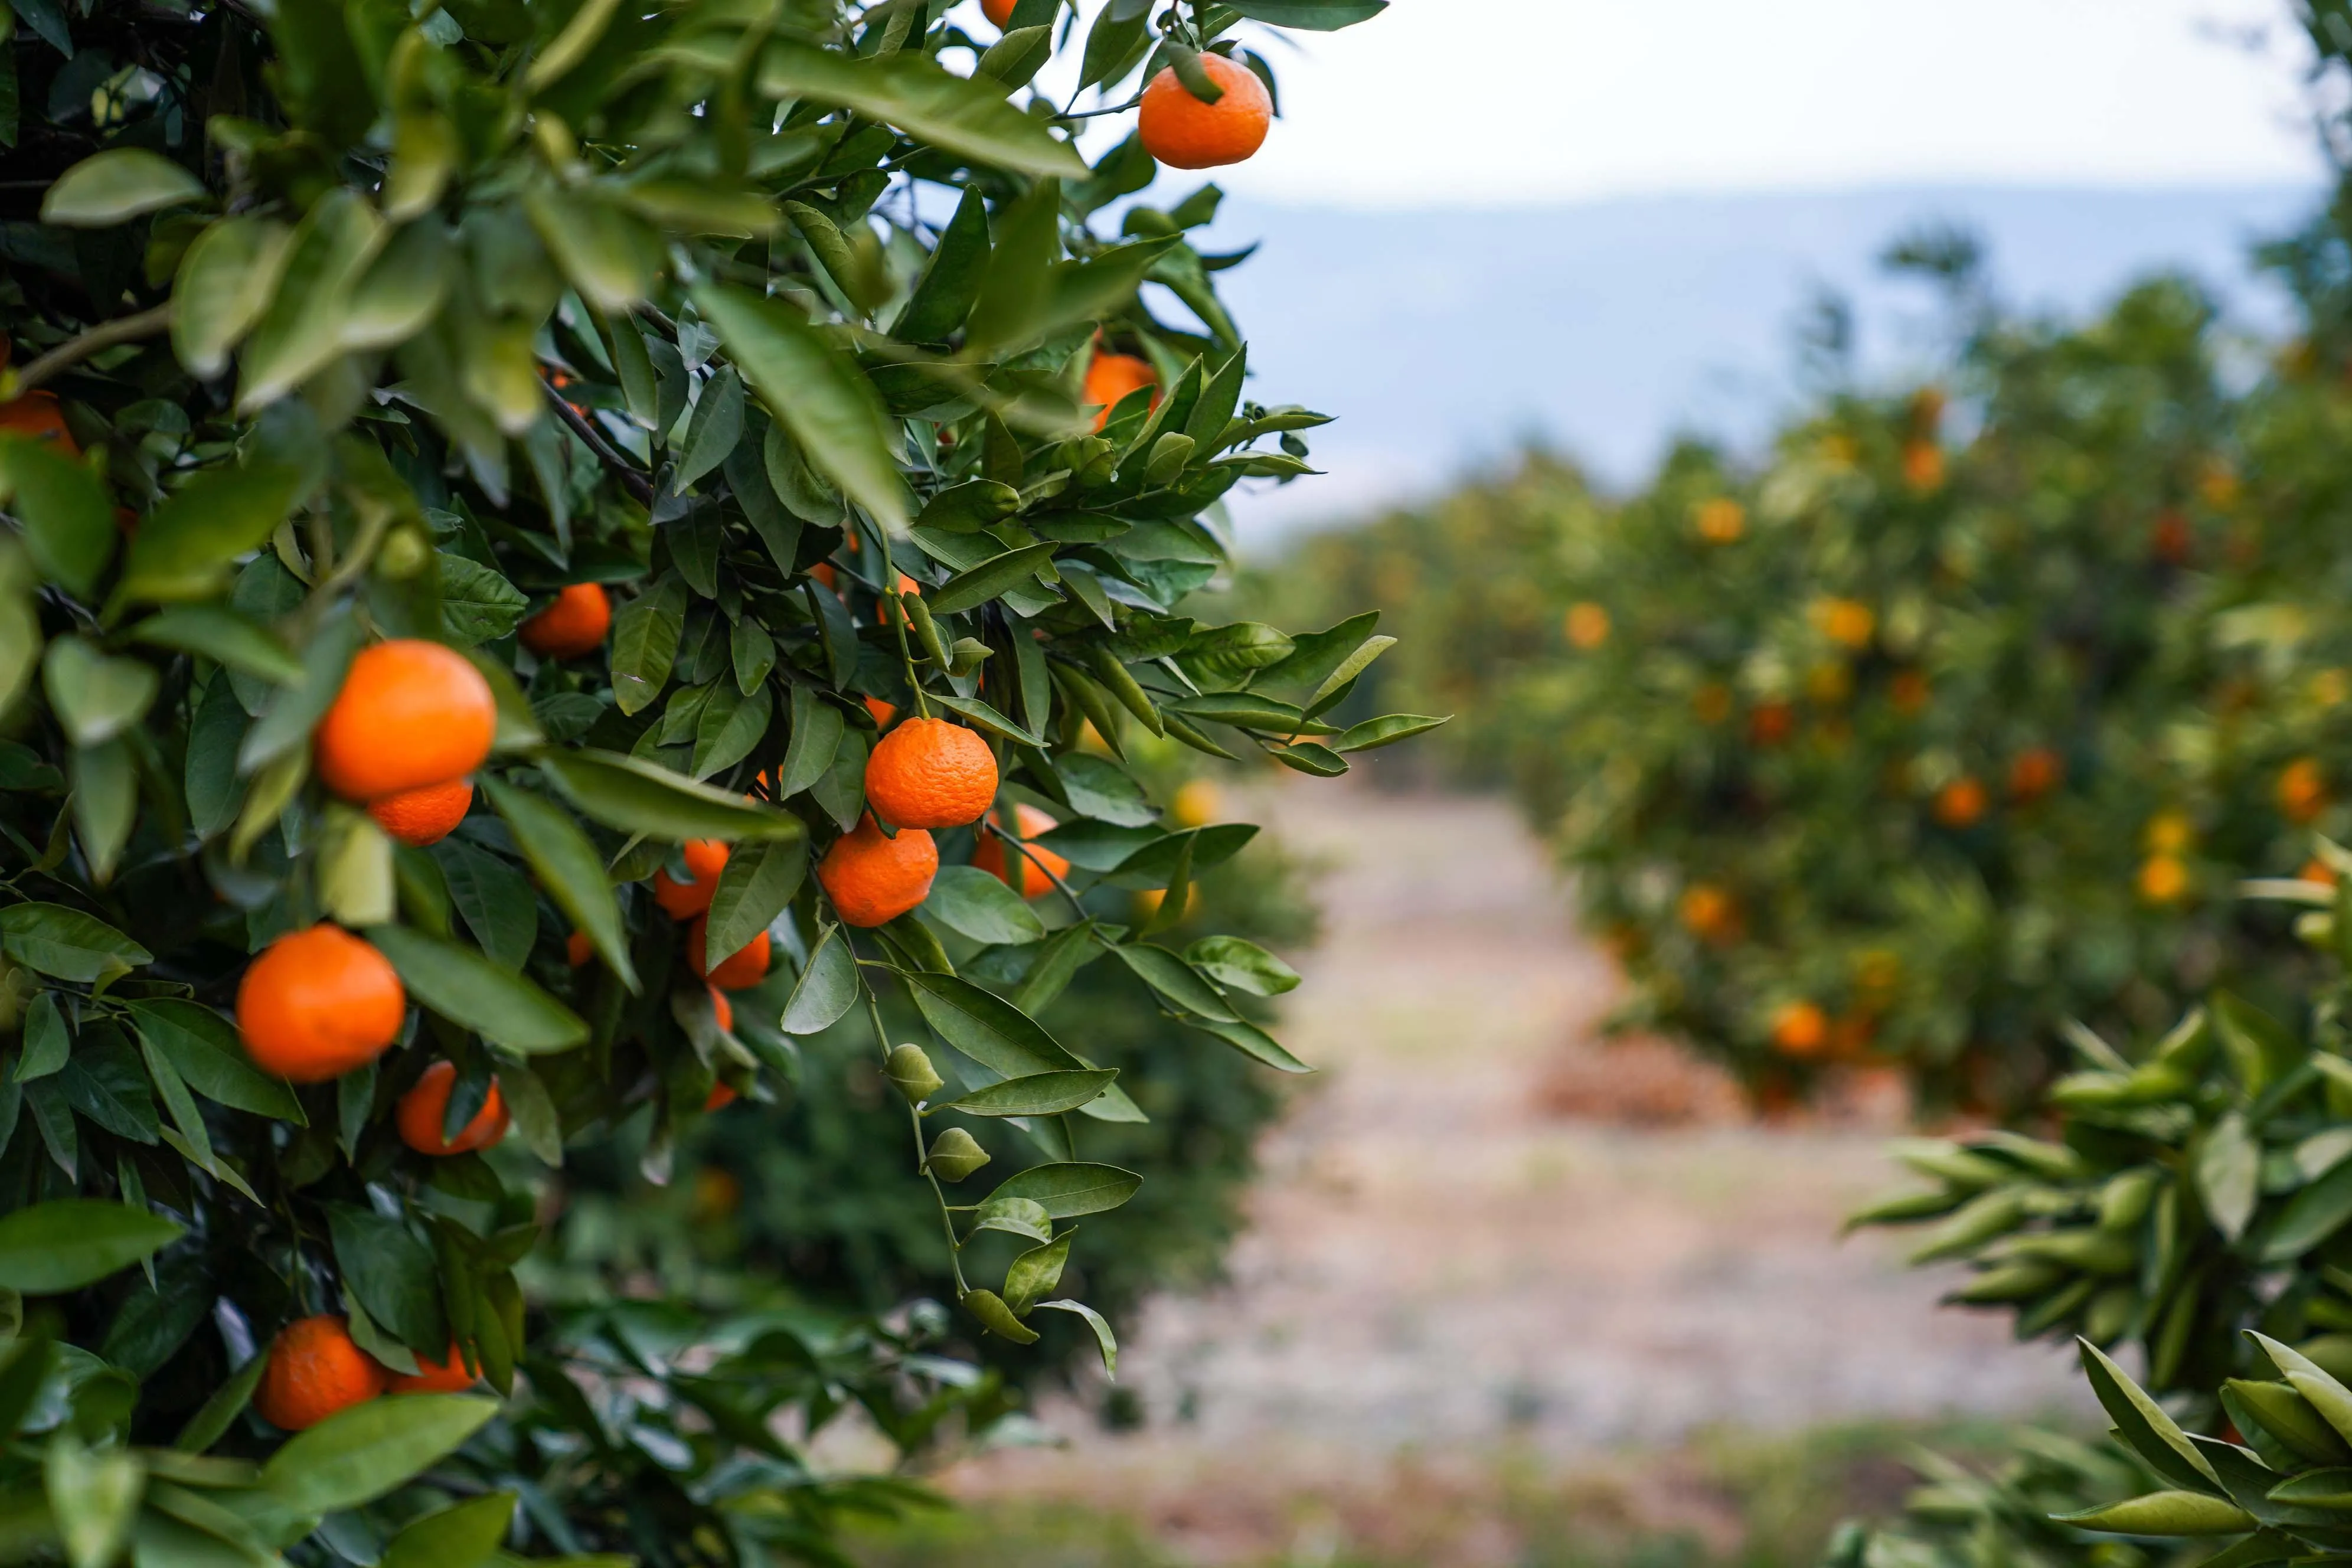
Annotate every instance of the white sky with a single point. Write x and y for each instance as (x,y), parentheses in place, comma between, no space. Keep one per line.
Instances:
(1516,102)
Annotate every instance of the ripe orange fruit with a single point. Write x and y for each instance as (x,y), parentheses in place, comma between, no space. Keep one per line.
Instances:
(1849,622)
(1960,804)
(411,713)
(1587,625)
(573,625)
(317,1004)
(2317,870)
(422,1109)
(1907,691)
(705,859)
(435,1377)
(883,711)
(990,854)
(872,881)
(2163,879)
(315,1370)
(2169,540)
(1196,805)
(748,965)
(36,415)
(1111,376)
(1769,724)
(2035,774)
(998,11)
(426,815)
(1800,1029)
(1709,912)
(1721,519)
(1182,133)
(578,949)
(927,772)
(1922,466)
(2302,789)
(724,1011)
(1149,899)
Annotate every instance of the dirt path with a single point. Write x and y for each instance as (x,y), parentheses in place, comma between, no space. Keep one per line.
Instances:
(1437,1265)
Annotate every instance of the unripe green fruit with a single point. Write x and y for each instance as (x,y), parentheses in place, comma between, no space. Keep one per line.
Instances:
(955,1154)
(911,1071)
(403,554)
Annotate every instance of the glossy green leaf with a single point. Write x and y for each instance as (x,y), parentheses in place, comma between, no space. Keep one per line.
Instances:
(358,1455)
(53,940)
(638,797)
(115,186)
(221,635)
(973,904)
(567,865)
(468,989)
(1040,1094)
(986,1027)
(910,91)
(1067,1191)
(759,881)
(69,523)
(68,1243)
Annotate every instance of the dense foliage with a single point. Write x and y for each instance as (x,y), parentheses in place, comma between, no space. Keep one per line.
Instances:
(362,368)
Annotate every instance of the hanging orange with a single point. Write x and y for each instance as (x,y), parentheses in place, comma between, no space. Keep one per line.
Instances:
(435,1377)
(424,1111)
(319,1003)
(927,772)
(426,815)
(990,854)
(705,859)
(315,1369)
(747,965)
(411,713)
(573,625)
(1110,377)
(1184,133)
(37,415)
(872,879)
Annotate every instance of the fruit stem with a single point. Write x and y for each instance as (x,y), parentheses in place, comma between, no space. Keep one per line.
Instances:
(915,1126)
(1022,845)
(97,339)
(898,622)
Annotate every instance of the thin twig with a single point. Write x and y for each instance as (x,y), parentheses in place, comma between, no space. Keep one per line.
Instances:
(633,479)
(99,338)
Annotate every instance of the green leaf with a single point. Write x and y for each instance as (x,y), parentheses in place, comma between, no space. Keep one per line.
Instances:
(1246,710)
(183,549)
(817,727)
(2229,1172)
(1069,1191)
(68,1243)
(759,881)
(477,604)
(494,899)
(943,295)
(566,862)
(639,796)
(48,1041)
(116,185)
(106,1083)
(360,1454)
(969,901)
(646,632)
(1036,1271)
(68,522)
(2143,1425)
(93,1497)
(1014,1217)
(286,724)
(1315,16)
(302,330)
(997,575)
(204,1049)
(221,635)
(1385,730)
(226,279)
(393,1276)
(468,989)
(910,91)
(986,1027)
(716,426)
(1105,1341)
(983,718)
(997,1318)
(812,388)
(2165,1513)
(1176,980)
(2312,1216)
(1241,965)
(66,944)
(96,697)
(1039,1094)
(465,1536)
(730,728)
(1099,787)
(827,988)
(610,255)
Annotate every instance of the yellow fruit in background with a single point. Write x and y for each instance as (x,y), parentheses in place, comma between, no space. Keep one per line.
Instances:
(2330,687)
(2168,833)
(2302,789)
(1197,804)
(1923,466)
(1720,521)
(1588,625)
(1149,899)
(1849,622)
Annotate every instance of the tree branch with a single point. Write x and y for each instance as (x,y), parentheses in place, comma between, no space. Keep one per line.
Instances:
(633,479)
(105,335)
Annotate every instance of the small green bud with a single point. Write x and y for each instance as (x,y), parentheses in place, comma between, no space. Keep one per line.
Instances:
(403,553)
(912,1072)
(1168,456)
(955,1154)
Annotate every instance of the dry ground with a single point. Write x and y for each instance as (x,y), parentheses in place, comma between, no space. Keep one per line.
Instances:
(1485,1241)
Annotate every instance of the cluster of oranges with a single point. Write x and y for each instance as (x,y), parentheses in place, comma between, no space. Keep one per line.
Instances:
(316,1369)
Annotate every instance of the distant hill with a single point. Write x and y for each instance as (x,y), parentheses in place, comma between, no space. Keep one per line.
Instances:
(1445,338)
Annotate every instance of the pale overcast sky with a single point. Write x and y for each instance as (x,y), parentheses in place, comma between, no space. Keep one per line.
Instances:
(1520,102)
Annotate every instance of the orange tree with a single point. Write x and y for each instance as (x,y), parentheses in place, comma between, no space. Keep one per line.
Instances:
(1939,726)
(535,558)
